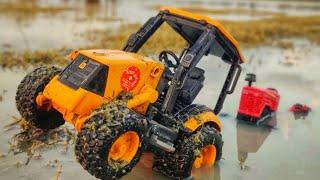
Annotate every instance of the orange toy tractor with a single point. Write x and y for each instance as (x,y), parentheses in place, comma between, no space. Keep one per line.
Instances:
(156,111)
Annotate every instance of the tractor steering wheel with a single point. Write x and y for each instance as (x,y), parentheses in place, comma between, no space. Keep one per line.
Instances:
(164,55)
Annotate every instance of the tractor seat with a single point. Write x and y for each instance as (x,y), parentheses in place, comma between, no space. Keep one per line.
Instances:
(192,86)
(196,73)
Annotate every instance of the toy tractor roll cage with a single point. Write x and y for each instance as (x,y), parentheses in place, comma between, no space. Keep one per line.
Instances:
(204,36)
(139,103)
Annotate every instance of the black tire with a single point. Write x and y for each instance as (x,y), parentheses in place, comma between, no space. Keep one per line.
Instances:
(265,115)
(266,112)
(178,165)
(28,89)
(193,110)
(98,134)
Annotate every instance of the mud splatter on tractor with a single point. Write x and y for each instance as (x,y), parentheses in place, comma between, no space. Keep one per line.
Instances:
(156,111)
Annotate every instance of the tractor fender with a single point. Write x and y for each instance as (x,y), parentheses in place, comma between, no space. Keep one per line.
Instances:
(195,116)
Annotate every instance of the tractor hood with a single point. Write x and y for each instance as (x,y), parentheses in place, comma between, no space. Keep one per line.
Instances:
(97,76)
(71,103)
(115,57)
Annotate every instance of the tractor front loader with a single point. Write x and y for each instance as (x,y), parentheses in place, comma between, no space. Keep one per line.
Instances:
(122,103)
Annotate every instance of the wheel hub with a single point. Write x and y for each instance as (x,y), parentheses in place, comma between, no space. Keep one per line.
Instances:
(125,147)
(206,158)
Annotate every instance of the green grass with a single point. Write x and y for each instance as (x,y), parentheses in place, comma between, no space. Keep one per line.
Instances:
(267,31)
(251,33)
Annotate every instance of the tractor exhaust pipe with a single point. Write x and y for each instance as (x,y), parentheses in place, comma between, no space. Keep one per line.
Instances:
(250,77)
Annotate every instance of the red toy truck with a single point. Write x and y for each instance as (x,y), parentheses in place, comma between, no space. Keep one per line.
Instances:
(257,104)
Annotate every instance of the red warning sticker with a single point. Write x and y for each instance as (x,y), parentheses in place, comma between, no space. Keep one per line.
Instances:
(130,78)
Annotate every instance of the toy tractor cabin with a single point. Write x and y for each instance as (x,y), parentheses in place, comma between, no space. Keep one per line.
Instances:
(122,103)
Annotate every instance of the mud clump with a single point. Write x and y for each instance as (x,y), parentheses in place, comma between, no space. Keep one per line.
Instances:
(197,140)
(115,110)
(33,141)
(117,165)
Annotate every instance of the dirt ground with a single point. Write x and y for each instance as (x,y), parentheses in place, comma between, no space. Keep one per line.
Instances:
(289,149)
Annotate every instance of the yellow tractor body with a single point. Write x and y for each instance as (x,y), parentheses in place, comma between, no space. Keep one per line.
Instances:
(159,110)
(127,72)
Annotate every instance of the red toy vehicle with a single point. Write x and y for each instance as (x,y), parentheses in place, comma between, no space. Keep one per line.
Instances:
(300,111)
(300,108)
(257,104)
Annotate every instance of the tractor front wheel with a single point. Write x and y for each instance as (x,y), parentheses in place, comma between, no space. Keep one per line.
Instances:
(201,149)
(110,143)
(27,92)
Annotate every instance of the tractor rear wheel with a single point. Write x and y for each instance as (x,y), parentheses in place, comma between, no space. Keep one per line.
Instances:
(110,143)
(201,149)
(27,92)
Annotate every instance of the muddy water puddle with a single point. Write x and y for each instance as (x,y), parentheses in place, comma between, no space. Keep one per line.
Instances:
(289,149)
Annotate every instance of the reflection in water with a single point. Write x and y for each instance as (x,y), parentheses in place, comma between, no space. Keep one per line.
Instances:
(143,171)
(300,111)
(92,8)
(250,138)
(112,8)
(300,115)
(205,173)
